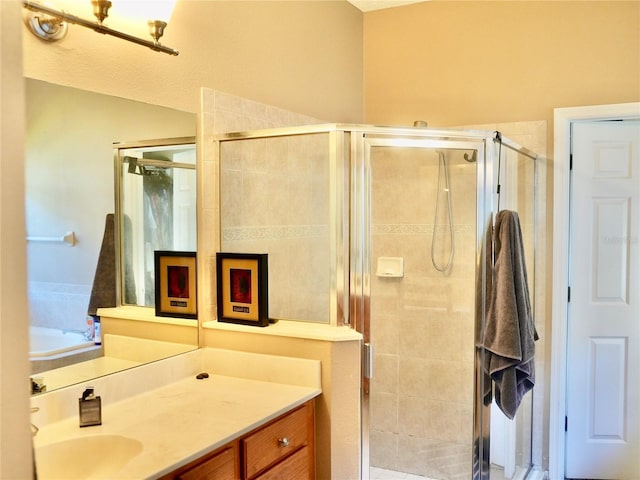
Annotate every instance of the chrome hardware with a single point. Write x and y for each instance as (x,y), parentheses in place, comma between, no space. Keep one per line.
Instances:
(368,360)
(37,385)
(283,442)
(34,429)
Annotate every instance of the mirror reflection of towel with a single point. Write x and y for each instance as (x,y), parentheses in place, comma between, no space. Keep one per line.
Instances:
(510,332)
(103,291)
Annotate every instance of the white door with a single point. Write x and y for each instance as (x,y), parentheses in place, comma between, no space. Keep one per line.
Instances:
(603,346)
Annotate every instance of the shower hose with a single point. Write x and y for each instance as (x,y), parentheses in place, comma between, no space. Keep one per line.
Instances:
(442,167)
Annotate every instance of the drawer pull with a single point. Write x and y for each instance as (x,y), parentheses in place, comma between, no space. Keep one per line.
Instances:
(283,442)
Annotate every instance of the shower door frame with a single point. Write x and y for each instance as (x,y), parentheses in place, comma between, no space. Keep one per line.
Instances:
(362,141)
(120,189)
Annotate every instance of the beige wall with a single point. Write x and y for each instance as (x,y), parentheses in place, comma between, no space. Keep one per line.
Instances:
(15,462)
(460,63)
(302,56)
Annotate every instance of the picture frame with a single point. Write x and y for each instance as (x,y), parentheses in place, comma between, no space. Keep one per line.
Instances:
(176,284)
(242,288)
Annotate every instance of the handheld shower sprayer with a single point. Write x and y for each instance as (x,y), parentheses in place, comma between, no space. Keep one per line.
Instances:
(446,188)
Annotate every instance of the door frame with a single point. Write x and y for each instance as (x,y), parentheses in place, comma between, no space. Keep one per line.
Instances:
(563,119)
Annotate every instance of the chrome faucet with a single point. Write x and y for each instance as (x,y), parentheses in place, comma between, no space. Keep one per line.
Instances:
(37,385)
(34,429)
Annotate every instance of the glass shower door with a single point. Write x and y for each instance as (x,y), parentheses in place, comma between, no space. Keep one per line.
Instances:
(422,214)
(428,205)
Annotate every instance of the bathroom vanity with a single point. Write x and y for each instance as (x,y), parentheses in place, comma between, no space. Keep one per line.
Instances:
(282,449)
(252,418)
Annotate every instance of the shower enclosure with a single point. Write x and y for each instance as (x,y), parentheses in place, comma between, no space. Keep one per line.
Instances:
(386,230)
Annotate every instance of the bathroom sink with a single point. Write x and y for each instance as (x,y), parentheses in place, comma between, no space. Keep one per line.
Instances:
(98,456)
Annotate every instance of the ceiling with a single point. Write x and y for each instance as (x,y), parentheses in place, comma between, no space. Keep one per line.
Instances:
(368,5)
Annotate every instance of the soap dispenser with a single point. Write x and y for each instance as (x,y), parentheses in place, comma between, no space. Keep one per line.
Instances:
(90,408)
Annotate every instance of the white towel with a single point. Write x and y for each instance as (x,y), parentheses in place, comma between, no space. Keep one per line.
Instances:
(509,333)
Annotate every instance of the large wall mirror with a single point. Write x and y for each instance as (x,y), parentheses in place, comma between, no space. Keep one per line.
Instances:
(69,181)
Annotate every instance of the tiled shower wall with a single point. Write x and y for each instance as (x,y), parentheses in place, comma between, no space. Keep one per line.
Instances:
(276,200)
(58,305)
(272,204)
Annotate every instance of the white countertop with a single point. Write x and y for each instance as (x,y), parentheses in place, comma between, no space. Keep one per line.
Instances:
(183,420)
(143,314)
(290,328)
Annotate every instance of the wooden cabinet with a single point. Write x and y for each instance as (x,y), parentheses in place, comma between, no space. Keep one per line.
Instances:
(222,464)
(283,449)
(295,467)
(269,447)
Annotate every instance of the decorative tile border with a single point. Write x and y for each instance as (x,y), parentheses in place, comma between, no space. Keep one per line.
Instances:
(418,229)
(274,232)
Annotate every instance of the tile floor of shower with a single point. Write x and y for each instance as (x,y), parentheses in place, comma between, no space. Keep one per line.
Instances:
(375,473)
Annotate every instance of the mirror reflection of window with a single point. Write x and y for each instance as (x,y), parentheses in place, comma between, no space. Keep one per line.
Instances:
(157,211)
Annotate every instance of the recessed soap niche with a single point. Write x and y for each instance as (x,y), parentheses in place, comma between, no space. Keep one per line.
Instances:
(391,267)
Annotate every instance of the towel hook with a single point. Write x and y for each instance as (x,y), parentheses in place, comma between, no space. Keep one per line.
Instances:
(498,138)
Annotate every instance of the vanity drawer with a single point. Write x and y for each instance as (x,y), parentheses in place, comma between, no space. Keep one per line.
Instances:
(278,440)
(294,467)
(221,465)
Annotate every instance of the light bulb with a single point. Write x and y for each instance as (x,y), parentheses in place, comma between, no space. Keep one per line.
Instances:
(145,9)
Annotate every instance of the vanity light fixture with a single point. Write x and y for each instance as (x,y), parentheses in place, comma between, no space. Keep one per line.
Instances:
(50,24)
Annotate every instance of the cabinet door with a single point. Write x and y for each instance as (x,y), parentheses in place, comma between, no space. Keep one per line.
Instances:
(295,467)
(221,466)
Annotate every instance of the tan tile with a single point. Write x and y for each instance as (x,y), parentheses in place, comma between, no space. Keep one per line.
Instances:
(413,377)
(384,411)
(385,335)
(385,374)
(414,337)
(384,450)
(444,421)
(413,454)
(412,415)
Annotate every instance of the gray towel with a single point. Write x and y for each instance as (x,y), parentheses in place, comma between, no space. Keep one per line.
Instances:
(510,332)
(103,292)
